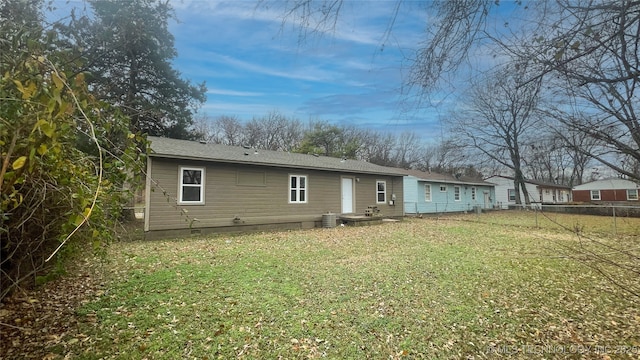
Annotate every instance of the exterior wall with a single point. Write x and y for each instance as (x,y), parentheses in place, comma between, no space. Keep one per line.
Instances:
(546,195)
(415,202)
(566,195)
(605,196)
(502,191)
(234,201)
(411,199)
(552,195)
(582,195)
(614,189)
(365,194)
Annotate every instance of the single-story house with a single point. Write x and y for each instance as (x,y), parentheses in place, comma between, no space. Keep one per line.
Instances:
(539,192)
(606,190)
(195,187)
(430,192)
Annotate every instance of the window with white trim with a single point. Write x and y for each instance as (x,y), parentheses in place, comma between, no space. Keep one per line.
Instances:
(191,186)
(632,194)
(443,188)
(456,193)
(473,193)
(381,192)
(595,194)
(297,189)
(512,194)
(427,192)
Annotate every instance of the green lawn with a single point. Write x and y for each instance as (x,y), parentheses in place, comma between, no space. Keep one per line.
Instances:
(469,286)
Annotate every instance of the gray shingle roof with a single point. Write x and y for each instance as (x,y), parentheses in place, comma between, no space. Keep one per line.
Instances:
(535,182)
(193,150)
(444,178)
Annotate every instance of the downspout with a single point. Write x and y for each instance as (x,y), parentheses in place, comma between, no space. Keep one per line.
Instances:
(147,196)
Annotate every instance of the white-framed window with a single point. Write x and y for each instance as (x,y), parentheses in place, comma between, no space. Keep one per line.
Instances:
(456,193)
(443,188)
(298,189)
(381,192)
(191,185)
(427,192)
(595,194)
(473,193)
(632,194)
(512,194)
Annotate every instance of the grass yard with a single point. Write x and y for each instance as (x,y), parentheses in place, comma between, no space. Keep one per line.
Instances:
(465,286)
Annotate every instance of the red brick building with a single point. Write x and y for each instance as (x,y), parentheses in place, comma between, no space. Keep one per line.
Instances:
(607,190)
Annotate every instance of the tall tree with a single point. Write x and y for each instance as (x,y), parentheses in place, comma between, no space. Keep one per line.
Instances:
(594,57)
(128,51)
(499,119)
(327,139)
(17,18)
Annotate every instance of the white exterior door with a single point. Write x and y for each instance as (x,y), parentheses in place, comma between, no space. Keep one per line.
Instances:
(347,195)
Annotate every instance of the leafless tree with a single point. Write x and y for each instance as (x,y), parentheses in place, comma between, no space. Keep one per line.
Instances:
(577,147)
(274,132)
(378,148)
(227,130)
(499,118)
(593,61)
(408,150)
(547,159)
(403,151)
(443,157)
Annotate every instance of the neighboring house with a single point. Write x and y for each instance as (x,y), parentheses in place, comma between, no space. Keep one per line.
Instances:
(198,188)
(428,192)
(608,190)
(539,192)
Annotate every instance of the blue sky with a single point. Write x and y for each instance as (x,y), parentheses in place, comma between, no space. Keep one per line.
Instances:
(254,64)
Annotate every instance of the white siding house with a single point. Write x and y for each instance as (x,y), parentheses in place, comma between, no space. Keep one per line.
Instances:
(539,192)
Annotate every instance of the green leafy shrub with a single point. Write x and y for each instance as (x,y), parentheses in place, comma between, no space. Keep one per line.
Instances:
(64,158)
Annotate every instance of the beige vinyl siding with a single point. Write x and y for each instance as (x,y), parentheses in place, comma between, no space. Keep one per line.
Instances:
(226,199)
(366,194)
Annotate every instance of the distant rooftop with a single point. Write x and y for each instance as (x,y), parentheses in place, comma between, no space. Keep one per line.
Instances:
(535,182)
(445,178)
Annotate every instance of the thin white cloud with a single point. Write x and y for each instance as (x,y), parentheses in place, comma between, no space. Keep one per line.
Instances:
(245,111)
(228,92)
(359,22)
(299,73)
